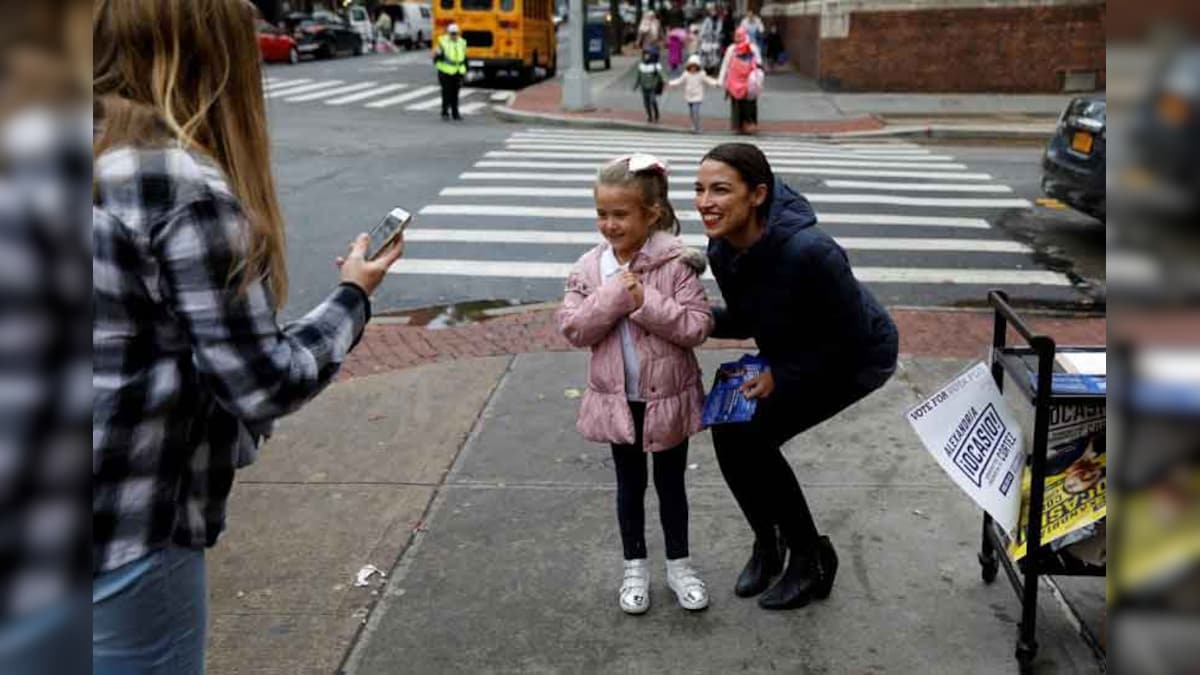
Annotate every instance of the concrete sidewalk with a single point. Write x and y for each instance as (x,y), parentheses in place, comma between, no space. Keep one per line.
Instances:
(467,485)
(793,104)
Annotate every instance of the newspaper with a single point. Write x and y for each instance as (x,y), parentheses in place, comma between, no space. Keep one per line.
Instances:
(1076,469)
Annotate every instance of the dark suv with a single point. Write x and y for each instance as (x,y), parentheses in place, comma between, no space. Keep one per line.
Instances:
(1073,166)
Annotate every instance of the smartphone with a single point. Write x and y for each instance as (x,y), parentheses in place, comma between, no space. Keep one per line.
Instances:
(387,230)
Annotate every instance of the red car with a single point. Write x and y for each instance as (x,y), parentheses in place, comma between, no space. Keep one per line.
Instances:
(276,45)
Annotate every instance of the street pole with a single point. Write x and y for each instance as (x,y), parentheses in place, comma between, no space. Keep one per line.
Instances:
(577,91)
(576,88)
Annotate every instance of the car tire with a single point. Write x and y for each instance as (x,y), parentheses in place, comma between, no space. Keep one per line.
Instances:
(552,69)
(420,40)
(293,56)
(608,63)
(358,48)
(328,51)
(408,44)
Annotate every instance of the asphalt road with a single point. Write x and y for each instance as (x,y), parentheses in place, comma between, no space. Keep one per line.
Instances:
(356,136)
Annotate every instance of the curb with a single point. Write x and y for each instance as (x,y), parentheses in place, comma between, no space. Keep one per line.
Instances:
(944,131)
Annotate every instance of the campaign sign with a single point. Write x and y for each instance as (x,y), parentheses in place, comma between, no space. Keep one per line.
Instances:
(972,434)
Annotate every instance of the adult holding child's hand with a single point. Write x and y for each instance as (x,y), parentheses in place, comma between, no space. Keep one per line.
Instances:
(827,342)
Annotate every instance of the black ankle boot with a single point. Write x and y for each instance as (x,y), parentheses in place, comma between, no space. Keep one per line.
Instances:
(765,562)
(798,584)
(829,564)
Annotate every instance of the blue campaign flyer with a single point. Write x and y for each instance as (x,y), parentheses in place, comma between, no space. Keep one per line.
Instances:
(725,403)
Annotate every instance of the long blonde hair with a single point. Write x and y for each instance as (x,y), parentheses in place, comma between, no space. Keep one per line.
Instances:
(187,71)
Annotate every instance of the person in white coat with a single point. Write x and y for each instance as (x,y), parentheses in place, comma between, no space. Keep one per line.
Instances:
(693,81)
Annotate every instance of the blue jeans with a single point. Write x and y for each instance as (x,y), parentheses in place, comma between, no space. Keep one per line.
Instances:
(148,616)
(694,112)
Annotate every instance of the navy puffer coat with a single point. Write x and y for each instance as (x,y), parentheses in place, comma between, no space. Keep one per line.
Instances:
(794,293)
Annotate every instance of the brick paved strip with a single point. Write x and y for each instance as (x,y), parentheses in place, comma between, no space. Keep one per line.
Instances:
(946,333)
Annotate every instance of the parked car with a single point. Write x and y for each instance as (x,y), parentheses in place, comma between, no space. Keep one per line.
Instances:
(324,35)
(274,44)
(1165,144)
(1073,165)
(412,24)
(360,20)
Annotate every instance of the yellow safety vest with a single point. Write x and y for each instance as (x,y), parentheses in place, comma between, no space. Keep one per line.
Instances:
(454,55)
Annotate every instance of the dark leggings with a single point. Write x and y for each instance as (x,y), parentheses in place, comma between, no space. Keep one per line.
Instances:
(650,101)
(758,474)
(669,468)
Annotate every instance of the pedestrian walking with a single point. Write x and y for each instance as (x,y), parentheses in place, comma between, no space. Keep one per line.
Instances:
(450,59)
(693,81)
(190,367)
(828,342)
(774,53)
(712,32)
(383,29)
(650,80)
(636,301)
(677,39)
(650,31)
(741,76)
(753,25)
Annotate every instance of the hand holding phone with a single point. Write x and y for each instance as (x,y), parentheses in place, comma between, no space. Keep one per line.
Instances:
(372,254)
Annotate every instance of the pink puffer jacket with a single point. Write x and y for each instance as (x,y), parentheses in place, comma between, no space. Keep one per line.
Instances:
(674,318)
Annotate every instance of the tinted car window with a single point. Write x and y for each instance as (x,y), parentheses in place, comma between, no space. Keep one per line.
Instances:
(1089,108)
(447,4)
(476,5)
(358,14)
(507,5)
(425,13)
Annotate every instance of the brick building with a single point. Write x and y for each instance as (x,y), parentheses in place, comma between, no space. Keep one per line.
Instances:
(945,45)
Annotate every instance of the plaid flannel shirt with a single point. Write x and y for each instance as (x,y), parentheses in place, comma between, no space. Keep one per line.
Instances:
(45,170)
(189,370)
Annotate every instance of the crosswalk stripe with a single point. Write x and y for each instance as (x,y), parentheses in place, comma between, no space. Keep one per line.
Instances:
(494,210)
(813,171)
(279,93)
(437,101)
(916,187)
(879,275)
(472,107)
(325,93)
(278,84)
(378,91)
(689,179)
(814,197)
(407,96)
(947,166)
(558,237)
(696,153)
(583,134)
(705,143)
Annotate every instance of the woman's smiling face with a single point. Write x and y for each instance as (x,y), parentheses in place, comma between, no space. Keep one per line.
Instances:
(727,205)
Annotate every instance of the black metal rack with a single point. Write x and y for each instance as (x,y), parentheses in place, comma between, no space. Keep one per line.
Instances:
(1036,358)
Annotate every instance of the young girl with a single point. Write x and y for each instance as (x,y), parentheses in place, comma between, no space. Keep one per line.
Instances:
(693,82)
(637,302)
(650,80)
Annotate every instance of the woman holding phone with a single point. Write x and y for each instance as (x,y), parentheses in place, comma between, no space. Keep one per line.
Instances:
(827,341)
(190,365)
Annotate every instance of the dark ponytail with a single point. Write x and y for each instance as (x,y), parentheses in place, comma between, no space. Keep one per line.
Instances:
(751,166)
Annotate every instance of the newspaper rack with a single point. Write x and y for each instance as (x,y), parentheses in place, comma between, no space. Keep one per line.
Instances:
(1030,367)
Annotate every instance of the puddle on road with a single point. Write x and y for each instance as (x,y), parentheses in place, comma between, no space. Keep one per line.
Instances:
(458,314)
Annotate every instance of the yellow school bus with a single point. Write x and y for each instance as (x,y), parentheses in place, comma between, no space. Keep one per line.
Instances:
(517,36)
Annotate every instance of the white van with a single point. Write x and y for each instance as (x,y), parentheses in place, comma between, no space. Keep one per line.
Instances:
(412,23)
(360,21)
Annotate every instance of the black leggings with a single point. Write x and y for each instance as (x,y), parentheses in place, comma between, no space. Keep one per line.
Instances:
(758,474)
(669,468)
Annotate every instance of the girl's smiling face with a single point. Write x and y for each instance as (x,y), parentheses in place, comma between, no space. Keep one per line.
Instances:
(623,219)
